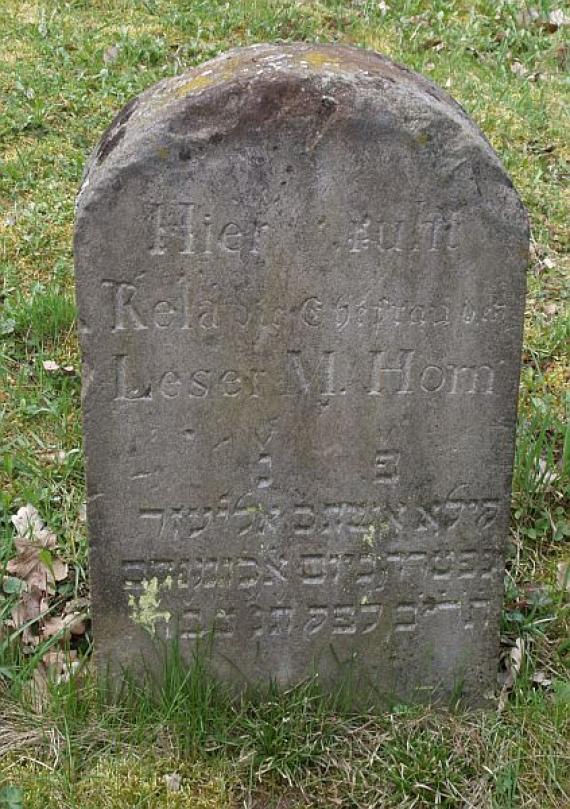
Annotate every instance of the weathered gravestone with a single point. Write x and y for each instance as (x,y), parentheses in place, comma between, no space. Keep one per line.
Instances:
(300,275)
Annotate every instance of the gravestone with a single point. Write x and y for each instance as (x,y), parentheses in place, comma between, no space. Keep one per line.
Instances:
(300,277)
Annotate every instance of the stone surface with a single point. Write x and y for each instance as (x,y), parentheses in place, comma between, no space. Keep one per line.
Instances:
(300,277)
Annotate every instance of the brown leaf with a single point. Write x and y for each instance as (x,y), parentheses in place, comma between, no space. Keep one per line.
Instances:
(24,563)
(563,575)
(519,69)
(504,695)
(173,782)
(38,688)
(111,54)
(37,573)
(59,569)
(75,623)
(57,658)
(432,42)
(562,52)
(52,626)
(31,529)
(514,662)
(55,456)
(558,19)
(70,624)
(516,657)
(60,664)
(80,604)
(28,610)
(540,678)
(77,627)
(38,577)
(528,17)
(32,540)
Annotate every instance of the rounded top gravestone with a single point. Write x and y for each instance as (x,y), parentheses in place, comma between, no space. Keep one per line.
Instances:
(300,276)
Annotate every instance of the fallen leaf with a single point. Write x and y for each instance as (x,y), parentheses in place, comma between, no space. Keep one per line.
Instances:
(58,568)
(37,571)
(37,576)
(38,688)
(432,42)
(519,69)
(52,626)
(546,475)
(504,695)
(80,604)
(30,527)
(25,562)
(68,624)
(540,678)
(527,17)
(562,52)
(111,54)
(516,657)
(26,613)
(35,563)
(418,19)
(61,665)
(558,18)
(55,456)
(77,626)
(505,691)
(563,575)
(55,658)
(514,660)
(173,782)
(75,623)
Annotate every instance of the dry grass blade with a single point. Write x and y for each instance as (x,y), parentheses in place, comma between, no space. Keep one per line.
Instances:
(16,735)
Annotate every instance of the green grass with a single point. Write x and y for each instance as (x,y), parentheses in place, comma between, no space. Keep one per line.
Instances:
(87,749)
(65,70)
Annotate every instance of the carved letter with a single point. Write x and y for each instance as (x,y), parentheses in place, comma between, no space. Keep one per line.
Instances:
(124,306)
(379,370)
(122,391)
(171,221)
(324,370)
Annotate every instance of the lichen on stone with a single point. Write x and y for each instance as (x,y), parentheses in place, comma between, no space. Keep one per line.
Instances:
(145,609)
(368,537)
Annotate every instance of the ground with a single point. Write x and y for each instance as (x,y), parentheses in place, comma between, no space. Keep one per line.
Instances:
(65,69)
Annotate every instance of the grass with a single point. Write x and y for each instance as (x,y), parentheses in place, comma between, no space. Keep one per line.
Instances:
(299,746)
(65,69)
